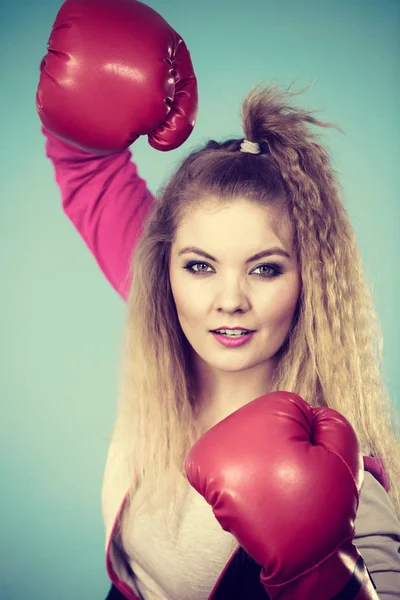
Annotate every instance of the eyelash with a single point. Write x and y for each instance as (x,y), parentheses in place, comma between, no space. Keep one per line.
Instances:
(274,267)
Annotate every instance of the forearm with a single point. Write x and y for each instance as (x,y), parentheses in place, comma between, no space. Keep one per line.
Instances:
(107,202)
(342,576)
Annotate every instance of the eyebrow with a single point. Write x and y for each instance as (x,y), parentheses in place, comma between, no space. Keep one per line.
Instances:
(261,254)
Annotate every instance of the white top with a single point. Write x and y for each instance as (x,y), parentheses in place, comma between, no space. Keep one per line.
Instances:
(192,558)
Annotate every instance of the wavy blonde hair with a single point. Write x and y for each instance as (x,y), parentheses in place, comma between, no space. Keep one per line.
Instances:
(333,353)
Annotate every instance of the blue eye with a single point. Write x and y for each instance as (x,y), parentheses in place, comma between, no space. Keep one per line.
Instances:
(271,269)
(193,263)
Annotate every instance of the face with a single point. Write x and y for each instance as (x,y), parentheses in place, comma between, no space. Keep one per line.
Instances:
(217,281)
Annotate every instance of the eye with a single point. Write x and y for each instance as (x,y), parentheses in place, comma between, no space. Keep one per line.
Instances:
(269,270)
(193,263)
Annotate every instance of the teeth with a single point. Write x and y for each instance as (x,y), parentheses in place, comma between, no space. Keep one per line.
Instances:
(232,332)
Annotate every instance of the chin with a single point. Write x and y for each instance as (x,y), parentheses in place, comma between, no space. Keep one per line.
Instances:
(232,365)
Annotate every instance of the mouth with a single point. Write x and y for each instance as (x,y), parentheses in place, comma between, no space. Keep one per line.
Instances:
(233,338)
(233,332)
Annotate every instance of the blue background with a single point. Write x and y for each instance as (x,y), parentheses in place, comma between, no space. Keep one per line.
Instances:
(61,323)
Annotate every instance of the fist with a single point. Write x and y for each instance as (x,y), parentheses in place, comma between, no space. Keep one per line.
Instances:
(115,70)
(284,479)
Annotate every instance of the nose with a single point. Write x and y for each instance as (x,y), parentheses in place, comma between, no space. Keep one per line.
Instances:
(232,296)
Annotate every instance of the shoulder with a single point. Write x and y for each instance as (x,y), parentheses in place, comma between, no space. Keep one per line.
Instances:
(377,537)
(376,514)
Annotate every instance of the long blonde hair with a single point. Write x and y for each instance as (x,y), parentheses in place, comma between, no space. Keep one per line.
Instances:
(333,354)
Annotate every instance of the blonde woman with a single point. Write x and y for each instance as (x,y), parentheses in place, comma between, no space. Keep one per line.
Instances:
(251,369)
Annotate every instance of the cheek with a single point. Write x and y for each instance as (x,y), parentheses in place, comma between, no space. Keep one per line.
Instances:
(279,307)
(189,299)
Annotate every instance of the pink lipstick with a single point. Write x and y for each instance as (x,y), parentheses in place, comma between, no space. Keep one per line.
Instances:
(233,342)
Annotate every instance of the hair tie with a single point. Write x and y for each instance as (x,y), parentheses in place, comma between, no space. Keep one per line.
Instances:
(251,147)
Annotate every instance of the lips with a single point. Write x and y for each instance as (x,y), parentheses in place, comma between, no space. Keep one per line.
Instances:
(234,341)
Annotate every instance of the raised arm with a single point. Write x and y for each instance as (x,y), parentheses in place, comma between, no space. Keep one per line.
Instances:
(114,70)
(106,201)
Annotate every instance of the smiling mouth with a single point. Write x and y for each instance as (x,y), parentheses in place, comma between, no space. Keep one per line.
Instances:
(233,334)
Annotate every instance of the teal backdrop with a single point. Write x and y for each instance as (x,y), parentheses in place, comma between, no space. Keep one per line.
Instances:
(61,322)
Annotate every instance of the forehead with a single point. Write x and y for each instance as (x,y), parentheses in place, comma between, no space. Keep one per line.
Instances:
(212,222)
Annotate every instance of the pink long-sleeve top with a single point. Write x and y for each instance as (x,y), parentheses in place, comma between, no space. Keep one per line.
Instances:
(108,203)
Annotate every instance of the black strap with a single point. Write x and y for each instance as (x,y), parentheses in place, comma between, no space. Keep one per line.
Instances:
(241,580)
(353,587)
(115,594)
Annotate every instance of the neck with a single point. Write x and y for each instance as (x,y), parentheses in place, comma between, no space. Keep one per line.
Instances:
(220,393)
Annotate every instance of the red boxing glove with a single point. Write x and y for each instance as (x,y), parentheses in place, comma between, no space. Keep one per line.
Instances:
(284,478)
(116,70)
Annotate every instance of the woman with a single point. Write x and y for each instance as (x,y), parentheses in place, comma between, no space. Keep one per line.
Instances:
(189,368)
(315,336)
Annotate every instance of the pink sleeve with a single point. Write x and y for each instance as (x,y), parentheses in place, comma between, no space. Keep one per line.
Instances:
(376,468)
(107,202)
